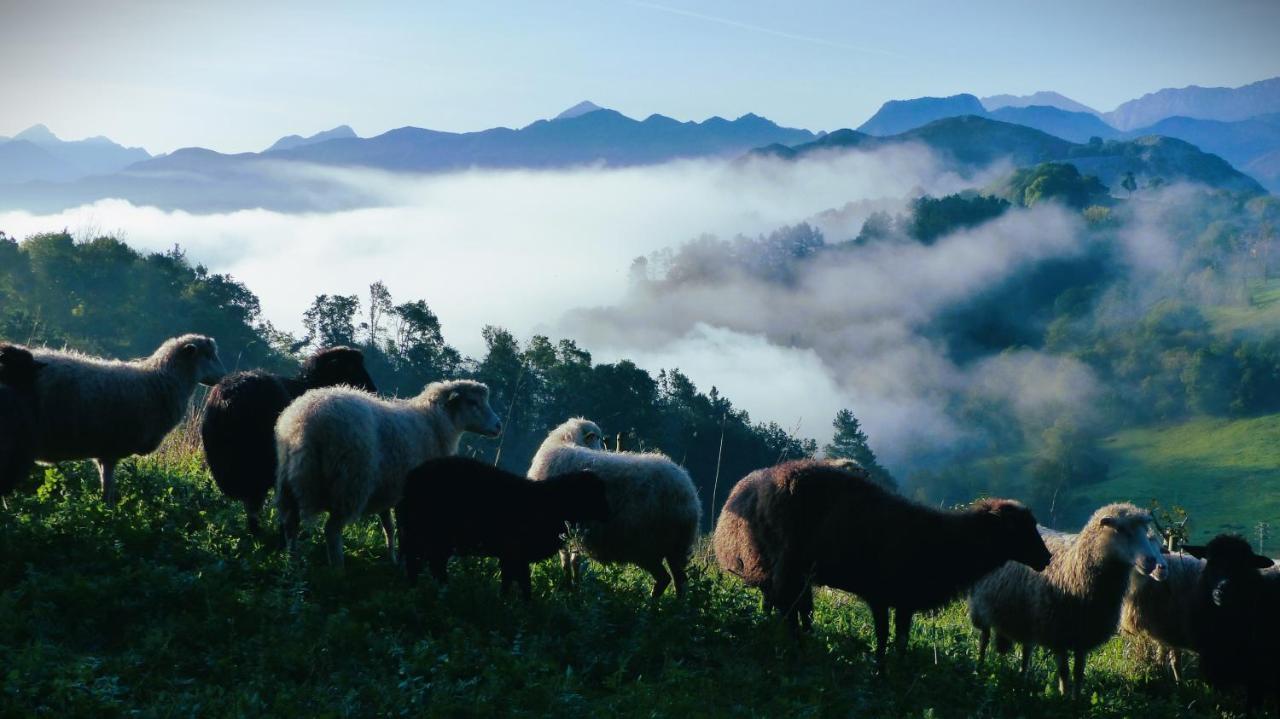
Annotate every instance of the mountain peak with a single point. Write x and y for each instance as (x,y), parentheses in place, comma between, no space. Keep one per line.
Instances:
(1041,97)
(37,134)
(581,108)
(341,132)
(898,116)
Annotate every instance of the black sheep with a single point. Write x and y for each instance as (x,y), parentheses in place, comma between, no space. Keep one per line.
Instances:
(240,416)
(788,528)
(1234,625)
(18,371)
(456,505)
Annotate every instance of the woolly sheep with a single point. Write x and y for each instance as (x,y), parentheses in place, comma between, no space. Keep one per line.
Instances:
(106,410)
(1160,611)
(18,372)
(802,523)
(346,452)
(238,429)
(1233,622)
(654,505)
(1073,606)
(458,505)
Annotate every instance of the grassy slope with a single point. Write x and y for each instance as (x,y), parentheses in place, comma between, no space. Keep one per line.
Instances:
(1225,472)
(1262,312)
(160,607)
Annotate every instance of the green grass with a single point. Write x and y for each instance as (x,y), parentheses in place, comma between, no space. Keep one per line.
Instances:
(1225,472)
(161,607)
(1263,310)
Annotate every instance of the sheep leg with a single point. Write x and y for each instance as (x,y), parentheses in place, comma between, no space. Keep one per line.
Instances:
(1064,671)
(517,572)
(660,577)
(107,476)
(569,563)
(901,629)
(880,614)
(389,532)
(678,573)
(440,568)
(333,540)
(1026,658)
(1078,672)
(984,638)
(290,517)
(1175,664)
(253,516)
(804,607)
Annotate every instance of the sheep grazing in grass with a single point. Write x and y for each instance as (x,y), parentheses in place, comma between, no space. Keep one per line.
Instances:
(1234,623)
(654,505)
(1073,606)
(1160,611)
(346,452)
(107,410)
(18,372)
(457,505)
(803,523)
(238,429)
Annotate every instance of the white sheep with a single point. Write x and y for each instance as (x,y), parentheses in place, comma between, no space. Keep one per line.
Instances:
(106,410)
(653,503)
(346,452)
(1161,611)
(1073,606)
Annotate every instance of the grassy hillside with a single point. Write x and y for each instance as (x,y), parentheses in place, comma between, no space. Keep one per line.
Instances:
(161,607)
(1263,311)
(1225,472)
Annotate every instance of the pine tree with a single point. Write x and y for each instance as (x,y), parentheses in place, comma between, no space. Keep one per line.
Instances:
(850,442)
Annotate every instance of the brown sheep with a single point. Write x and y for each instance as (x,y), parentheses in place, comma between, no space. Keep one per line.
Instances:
(803,523)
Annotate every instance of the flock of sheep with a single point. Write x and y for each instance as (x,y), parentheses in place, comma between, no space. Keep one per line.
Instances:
(328,444)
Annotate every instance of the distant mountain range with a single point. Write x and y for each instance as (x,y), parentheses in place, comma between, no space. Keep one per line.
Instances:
(585,134)
(1241,126)
(1249,141)
(973,142)
(1202,103)
(38,154)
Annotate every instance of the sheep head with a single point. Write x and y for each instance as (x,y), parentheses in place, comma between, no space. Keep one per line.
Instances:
(1230,576)
(197,355)
(581,432)
(1130,537)
(337,366)
(467,403)
(18,368)
(1014,530)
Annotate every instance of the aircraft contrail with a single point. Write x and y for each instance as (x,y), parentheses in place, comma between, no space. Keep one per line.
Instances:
(767,31)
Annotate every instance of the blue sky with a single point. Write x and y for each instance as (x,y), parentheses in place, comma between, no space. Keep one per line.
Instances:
(234,76)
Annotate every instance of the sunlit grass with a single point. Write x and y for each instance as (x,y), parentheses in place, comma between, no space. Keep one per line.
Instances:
(163,607)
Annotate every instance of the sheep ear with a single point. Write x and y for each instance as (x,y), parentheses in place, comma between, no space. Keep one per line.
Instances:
(1108,522)
(190,349)
(454,399)
(1261,562)
(1196,550)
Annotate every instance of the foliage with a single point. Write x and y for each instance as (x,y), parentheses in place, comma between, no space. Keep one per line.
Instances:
(932,218)
(103,297)
(850,442)
(1055,181)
